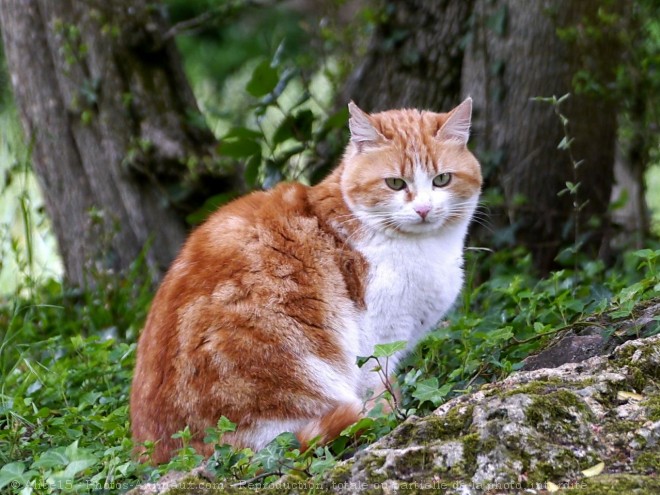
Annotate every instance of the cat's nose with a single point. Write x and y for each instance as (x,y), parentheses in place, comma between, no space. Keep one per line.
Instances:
(422,210)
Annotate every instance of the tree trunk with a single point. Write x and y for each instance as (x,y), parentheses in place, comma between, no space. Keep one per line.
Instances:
(516,55)
(414,58)
(112,123)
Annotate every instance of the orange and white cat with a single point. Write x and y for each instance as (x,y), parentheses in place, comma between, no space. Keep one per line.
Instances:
(263,313)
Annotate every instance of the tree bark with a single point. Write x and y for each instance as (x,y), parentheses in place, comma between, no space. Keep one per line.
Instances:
(414,58)
(516,55)
(116,145)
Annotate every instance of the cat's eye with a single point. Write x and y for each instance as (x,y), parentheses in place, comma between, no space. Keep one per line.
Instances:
(395,183)
(442,180)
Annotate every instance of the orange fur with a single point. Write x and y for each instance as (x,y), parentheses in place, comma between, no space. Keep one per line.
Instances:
(260,291)
(330,425)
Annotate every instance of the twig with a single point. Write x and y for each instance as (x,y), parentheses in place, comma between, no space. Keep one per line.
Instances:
(256,478)
(202,19)
(557,330)
(191,24)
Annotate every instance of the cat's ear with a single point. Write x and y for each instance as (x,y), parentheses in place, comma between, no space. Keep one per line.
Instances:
(363,132)
(457,126)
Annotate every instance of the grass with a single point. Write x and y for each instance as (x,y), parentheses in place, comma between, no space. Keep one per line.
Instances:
(27,244)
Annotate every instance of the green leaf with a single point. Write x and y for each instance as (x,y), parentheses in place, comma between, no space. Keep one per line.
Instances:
(210,205)
(51,458)
(298,126)
(321,464)
(15,473)
(631,292)
(387,350)
(271,455)
(363,424)
(429,390)
(501,334)
(565,143)
(242,132)
(646,254)
(239,148)
(337,120)
(225,425)
(71,450)
(362,360)
(263,81)
(84,461)
(272,175)
(252,170)
(575,305)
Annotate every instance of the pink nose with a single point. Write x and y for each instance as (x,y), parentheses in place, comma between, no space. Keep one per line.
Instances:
(422,210)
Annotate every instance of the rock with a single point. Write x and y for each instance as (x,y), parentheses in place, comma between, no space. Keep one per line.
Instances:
(530,429)
(518,435)
(601,335)
(570,349)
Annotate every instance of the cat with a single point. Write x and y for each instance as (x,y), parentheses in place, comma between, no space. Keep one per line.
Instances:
(263,313)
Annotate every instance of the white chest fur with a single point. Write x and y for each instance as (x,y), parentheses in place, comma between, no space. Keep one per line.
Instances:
(412,283)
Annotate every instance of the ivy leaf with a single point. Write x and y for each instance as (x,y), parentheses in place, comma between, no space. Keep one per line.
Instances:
(321,464)
(430,390)
(501,334)
(363,424)
(388,350)
(51,458)
(15,472)
(84,460)
(271,455)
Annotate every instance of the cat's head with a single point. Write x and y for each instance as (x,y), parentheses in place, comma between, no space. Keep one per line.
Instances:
(410,172)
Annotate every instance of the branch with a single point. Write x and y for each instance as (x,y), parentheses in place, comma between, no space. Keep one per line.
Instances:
(205,18)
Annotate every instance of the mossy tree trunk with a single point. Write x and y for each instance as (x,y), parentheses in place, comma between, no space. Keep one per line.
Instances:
(516,53)
(118,143)
(430,54)
(415,57)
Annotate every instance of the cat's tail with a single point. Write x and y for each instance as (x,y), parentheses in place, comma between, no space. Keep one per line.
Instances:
(329,426)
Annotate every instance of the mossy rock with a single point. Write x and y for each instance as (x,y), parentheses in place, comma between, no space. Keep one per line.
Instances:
(518,434)
(615,484)
(532,428)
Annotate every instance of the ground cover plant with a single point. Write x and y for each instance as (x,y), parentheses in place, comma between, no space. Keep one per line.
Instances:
(67,360)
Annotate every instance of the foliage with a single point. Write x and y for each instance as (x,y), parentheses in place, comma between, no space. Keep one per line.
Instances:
(67,360)
(266,82)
